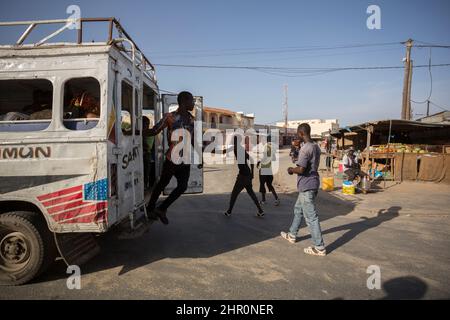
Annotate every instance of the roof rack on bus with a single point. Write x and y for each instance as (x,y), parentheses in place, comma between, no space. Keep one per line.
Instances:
(114,24)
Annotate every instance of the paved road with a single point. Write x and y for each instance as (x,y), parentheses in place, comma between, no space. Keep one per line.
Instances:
(405,230)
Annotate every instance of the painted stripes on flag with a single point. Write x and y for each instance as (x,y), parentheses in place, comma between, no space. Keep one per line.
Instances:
(80,204)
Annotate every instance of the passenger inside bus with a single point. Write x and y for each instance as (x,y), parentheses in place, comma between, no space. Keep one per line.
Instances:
(24,100)
(81,103)
(41,107)
(148,142)
(148,146)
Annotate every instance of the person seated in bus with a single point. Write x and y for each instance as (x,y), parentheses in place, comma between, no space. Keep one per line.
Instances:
(147,146)
(83,105)
(45,114)
(91,115)
(42,100)
(41,108)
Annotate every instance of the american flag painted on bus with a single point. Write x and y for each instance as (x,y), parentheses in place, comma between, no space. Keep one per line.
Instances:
(79,204)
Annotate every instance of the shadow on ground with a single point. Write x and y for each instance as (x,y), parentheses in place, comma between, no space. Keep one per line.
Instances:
(198,229)
(403,288)
(410,287)
(356,228)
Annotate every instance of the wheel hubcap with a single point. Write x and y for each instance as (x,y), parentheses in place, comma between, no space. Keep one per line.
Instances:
(14,250)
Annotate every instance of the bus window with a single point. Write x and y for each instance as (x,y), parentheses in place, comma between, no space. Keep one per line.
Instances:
(148,141)
(148,101)
(25,105)
(127,108)
(81,103)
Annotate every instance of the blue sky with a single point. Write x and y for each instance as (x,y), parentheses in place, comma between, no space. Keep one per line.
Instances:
(205,32)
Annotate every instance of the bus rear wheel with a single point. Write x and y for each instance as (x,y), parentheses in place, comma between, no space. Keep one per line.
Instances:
(26,247)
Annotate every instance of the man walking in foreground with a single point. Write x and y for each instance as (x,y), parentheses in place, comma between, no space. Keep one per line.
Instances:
(308,185)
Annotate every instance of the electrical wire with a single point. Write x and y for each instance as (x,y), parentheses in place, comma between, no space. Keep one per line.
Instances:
(431,83)
(436,105)
(313,55)
(440,107)
(429,45)
(296,69)
(432,46)
(251,51)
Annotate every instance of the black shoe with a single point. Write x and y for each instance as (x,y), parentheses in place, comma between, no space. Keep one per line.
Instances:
(260,214)
(227,214)
(162,215)
(151,214)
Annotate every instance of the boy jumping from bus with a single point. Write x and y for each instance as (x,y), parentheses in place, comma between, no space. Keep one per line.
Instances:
(179,119)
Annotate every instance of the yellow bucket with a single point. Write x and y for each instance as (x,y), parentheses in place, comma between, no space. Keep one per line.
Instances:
(348,189)
(327,183)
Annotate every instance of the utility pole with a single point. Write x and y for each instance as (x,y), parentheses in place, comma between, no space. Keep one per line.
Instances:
(285,109)
(406,103)
(428,108)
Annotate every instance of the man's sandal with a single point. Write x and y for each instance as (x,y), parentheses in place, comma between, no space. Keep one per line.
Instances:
(315,252)
(288,237)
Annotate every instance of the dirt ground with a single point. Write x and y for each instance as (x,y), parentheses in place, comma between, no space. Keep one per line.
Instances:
(404,229)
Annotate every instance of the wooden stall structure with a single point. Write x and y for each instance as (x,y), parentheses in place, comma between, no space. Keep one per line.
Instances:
(400,149)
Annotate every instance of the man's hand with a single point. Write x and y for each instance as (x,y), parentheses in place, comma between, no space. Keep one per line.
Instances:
(296,170)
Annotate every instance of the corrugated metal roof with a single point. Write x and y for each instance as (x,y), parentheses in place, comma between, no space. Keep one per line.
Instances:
(386,123)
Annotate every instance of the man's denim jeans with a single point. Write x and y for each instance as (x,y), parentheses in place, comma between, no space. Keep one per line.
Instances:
(306,207)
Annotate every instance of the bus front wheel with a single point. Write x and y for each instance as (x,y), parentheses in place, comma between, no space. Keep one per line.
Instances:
(26,247)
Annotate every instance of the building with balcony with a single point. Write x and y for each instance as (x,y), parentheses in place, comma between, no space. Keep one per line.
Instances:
(318,126)
(219,118)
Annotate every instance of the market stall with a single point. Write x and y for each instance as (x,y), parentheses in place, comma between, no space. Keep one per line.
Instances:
(399,149)
(398,161)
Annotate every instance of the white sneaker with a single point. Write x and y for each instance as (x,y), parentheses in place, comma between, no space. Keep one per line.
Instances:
(288,237)
(315,252)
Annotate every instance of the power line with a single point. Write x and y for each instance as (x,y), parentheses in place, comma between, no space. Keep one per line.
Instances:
(318,47)
(265,51)
(442,108)
(251,51)
(432,46)
(313,55)
(431,83)
(428,45)
(436,105)
(297,69)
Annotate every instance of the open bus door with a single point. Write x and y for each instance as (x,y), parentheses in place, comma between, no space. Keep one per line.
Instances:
(195,184)
(159,140)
